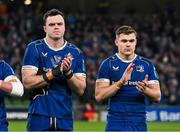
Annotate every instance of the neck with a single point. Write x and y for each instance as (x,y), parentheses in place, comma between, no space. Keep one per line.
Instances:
(126,57)
(55,43)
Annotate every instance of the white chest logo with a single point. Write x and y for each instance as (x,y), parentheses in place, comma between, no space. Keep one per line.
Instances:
(44,54)
(115,68)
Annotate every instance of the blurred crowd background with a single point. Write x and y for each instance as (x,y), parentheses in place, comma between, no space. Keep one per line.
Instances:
(158,38)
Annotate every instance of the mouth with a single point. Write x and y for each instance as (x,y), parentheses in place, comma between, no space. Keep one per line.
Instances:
(127,50)
(56,32)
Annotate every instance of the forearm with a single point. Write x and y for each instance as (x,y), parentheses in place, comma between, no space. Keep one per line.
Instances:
(5,86)
(102,93)
(32,82)
(77,84)
(150,90)
(12,88)
(153,94)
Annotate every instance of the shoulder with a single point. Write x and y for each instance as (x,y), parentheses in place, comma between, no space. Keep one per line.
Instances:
(109,60)
(113,58)
(4,65)
(33,46)
(2,62)
(74,48)
(144,60)
(35,43)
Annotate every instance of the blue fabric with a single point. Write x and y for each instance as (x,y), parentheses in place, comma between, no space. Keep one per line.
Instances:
(57,100)
(3,124)
(42,123)
(122,126)
(128,105)
(5,71)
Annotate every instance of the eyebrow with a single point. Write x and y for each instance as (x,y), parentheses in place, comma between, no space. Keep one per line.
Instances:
(58,23)
(126,40)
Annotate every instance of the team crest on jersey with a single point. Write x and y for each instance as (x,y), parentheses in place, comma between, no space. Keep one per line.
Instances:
(140,68)
(56,60)
(69,54)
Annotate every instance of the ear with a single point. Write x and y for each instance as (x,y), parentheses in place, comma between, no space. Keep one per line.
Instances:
(44,27)
(116,42)
(135,42)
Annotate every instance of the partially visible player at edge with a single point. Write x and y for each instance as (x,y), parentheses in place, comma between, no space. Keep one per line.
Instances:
(127,80)
(52,69)
(9,84)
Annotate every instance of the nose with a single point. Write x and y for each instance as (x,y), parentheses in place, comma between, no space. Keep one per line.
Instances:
(128,44)
(56,26)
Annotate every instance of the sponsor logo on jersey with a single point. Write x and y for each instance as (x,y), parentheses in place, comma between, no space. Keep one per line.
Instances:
(131,83)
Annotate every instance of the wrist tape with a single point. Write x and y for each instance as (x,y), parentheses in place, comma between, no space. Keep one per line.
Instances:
(56,71)
(69,75)
(45,77)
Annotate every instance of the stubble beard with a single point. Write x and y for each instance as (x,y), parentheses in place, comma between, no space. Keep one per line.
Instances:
(56,38)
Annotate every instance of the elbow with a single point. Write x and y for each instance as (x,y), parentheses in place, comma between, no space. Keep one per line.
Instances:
(158,98)
(21,91)
(27,86)
(98,98)
(17,89)
(82,90)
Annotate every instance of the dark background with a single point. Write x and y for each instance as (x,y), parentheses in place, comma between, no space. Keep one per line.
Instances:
(90,24)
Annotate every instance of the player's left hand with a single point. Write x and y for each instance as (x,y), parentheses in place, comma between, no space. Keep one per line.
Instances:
(66,63)
(141,86)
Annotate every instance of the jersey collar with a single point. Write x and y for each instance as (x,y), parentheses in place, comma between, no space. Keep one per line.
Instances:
(126,61)
(65,43)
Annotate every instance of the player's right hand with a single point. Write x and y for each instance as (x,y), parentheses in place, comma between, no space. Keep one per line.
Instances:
(66,63)
(127,73)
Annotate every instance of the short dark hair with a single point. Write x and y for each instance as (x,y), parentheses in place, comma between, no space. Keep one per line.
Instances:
(52,12)
(125,30)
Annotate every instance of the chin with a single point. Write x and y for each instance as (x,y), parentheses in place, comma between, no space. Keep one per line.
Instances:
(128,54)
(56,38)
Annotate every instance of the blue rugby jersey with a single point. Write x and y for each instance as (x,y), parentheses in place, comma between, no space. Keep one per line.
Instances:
(57,101)
(128,104)
(5,73)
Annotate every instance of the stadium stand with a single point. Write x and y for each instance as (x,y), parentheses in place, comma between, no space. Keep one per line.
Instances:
(159,39)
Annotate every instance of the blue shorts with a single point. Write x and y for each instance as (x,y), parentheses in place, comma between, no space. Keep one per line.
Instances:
(121,126)
(3,124)
(45,123)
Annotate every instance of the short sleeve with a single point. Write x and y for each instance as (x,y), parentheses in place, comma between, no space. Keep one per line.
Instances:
(31,57)
(103,73)
(7,70)
(80,68)
(153,75)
